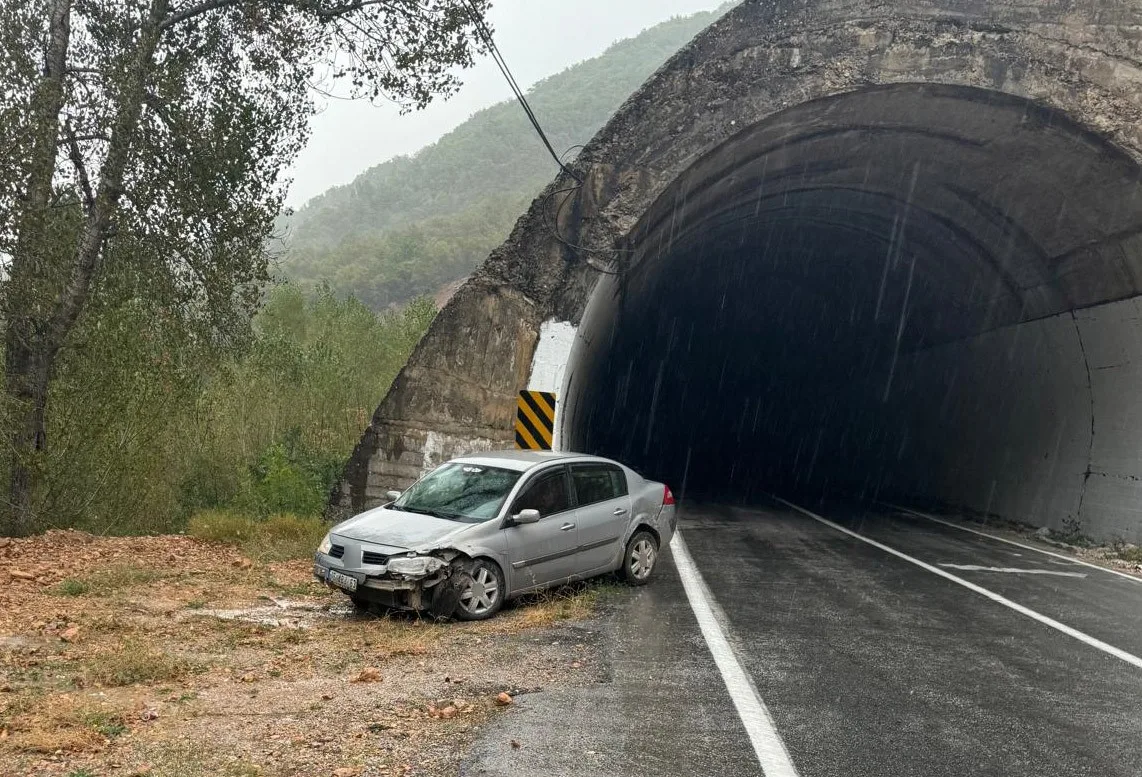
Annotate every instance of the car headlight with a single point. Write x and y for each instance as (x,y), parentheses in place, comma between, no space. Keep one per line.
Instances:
(414,566)
(326,545)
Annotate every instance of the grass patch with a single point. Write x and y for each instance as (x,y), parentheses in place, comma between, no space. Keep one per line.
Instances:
(71,587)
(277,538)
(134,664)
(1131,553)
(569,602)
(115,578)
(108,724)
(62,722)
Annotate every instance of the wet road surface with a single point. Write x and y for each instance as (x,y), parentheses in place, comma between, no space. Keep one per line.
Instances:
(868,664)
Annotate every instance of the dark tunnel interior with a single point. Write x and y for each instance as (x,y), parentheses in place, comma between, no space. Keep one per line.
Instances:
(892,291)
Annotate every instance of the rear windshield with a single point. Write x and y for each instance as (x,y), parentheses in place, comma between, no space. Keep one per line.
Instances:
(460,492)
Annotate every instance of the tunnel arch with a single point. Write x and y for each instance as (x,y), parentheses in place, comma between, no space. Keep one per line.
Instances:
(1026,117)
(795,279)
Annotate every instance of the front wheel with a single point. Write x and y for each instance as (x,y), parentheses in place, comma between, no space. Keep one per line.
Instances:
(481,590)
(641,558)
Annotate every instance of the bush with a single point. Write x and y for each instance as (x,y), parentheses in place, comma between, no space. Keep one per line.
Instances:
(151,423)
(275,538)
(1131,553)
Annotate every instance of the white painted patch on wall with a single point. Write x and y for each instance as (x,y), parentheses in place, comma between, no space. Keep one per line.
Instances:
(549,365)
(433,450)
(440,447)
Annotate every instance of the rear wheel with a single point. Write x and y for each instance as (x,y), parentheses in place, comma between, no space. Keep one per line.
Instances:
(641,558)
(481,590)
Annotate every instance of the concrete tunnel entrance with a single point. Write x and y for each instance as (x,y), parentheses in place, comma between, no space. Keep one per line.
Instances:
(914,290)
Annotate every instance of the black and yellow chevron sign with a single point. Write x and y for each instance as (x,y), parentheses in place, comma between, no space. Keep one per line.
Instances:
(535,420)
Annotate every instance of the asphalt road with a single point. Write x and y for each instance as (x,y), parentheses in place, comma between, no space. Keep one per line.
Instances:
(868,664)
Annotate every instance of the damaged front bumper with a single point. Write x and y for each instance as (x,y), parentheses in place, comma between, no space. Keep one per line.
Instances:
(408,583)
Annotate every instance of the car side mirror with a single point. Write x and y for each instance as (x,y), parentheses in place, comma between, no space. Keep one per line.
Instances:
(392,496)
(526,516)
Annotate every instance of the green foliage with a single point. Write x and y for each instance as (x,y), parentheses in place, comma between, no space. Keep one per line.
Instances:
(151,425)
(71,587)
(413,224)
(108,724)
(143,148)
(1128,552)
(274,538)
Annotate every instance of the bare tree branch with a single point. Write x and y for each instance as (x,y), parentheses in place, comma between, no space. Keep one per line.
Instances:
(83,138)
(323,14)
(76,156)
(195,10)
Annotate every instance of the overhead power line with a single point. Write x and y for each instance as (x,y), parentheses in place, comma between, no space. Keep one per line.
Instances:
(486,35)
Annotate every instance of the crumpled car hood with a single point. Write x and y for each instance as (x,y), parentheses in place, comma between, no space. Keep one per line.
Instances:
(398,529)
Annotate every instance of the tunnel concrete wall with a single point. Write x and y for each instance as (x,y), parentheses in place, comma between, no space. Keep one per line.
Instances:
(1039,422)
(1083,59)
(981,439)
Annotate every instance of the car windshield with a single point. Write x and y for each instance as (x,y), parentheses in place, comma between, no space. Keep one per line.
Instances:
(462,492)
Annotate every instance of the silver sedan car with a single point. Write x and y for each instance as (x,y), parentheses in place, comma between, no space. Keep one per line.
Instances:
(479,530)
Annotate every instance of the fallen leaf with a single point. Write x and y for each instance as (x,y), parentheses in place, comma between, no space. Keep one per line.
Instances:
(243,563)
(70,634)
(347,771)
(20,575)
(370,674)
(448,712)
(503,699)
(326,697)
(249,677)
(516,745)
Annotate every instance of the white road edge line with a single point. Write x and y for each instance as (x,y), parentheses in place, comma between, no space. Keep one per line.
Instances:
(1129,658)
(767,743)
(1072,559)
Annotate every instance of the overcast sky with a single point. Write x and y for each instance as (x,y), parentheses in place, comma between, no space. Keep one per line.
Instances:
(536,37)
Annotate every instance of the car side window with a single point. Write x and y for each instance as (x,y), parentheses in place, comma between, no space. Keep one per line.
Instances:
(547,493)
(597,482)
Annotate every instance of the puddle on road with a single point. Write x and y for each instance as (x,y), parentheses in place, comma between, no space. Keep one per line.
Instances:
(283,613)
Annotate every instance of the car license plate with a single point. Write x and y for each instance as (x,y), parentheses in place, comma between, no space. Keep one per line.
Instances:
(342,581)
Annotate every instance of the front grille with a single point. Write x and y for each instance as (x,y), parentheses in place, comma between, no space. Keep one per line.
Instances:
(337,551)
(369,557)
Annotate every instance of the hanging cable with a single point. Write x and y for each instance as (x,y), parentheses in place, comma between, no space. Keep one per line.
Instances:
(486,35)
(501,63)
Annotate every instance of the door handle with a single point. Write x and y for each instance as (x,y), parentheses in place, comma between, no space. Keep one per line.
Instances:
(620,511)
(567,527)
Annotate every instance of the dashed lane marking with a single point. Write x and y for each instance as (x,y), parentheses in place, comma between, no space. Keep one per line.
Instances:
(1010,570)
(1071,559)
(1129,658)
(767,743)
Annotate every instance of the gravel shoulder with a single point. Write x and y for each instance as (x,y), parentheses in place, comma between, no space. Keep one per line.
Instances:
(171,656)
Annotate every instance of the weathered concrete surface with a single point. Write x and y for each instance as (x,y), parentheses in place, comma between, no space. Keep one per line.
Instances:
(768,69)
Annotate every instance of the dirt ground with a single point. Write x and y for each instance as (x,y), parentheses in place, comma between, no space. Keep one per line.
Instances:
(170,656)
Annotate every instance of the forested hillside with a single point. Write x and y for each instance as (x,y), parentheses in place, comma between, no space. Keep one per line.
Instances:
(412,224)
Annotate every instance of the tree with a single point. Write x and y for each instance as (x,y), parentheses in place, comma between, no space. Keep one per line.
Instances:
(148,138)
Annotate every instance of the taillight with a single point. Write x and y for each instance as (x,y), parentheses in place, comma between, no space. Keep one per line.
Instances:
(667,497)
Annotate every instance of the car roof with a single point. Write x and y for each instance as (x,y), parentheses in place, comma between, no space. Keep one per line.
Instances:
(521,461)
